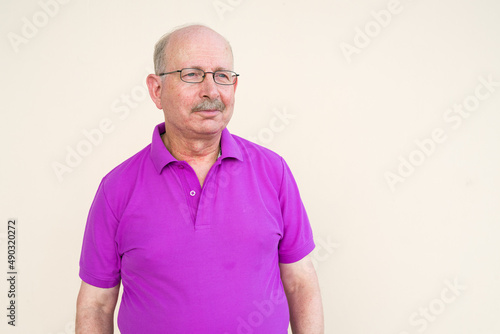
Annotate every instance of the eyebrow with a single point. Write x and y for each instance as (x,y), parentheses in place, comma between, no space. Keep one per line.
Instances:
(216,69)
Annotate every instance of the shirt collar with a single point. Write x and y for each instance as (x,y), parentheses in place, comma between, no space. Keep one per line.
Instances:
(162,157)
(229,147)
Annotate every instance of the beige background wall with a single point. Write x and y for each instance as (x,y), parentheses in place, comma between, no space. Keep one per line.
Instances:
(382,108)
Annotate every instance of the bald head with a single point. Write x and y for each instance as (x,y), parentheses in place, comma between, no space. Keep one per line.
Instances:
(175,42)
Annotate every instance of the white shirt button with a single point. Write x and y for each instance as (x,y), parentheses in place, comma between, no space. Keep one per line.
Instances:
(192,193)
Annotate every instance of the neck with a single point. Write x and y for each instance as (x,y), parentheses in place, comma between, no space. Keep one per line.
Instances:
(193,151)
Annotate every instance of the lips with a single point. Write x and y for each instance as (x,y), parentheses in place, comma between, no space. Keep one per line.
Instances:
(208,113)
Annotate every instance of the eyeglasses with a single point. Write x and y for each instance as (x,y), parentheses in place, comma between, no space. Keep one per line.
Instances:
(195,75)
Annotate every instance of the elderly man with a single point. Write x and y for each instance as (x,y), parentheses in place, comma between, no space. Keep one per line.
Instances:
(205,230)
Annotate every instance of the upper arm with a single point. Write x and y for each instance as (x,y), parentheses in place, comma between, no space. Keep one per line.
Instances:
(303,294)
(298,274)
(98,298)
(100,259)
(297,238)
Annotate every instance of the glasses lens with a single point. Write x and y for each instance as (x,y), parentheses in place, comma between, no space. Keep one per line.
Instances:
(225,77)
(192,75)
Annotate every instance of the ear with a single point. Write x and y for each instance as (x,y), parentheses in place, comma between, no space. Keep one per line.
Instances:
(154,84)
(235,85)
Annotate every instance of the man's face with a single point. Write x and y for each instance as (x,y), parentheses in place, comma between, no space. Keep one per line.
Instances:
(181,101)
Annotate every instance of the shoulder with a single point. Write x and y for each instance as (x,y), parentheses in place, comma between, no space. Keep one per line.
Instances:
(122,178)
(263,161)
(257,153)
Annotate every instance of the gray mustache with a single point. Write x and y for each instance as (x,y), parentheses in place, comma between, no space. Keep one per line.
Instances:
(210,105)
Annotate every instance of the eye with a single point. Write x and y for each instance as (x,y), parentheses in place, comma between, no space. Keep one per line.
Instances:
(223,75)
(191,74)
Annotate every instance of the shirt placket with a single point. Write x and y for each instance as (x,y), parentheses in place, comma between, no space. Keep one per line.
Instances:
(191,189)
(203,219)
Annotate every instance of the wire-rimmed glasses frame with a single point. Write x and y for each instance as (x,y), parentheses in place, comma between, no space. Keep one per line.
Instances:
(194,75)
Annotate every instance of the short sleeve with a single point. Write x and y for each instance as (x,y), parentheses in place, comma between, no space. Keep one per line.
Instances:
(297,240)
(100,260)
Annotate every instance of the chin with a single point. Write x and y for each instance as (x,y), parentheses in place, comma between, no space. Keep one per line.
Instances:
(211,129)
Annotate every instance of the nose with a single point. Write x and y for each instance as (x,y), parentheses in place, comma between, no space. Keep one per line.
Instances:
(208,87)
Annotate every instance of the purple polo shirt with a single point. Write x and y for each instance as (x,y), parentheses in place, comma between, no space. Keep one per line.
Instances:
(197,259)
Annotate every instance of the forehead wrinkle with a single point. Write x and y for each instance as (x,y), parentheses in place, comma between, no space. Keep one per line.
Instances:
(215,63)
